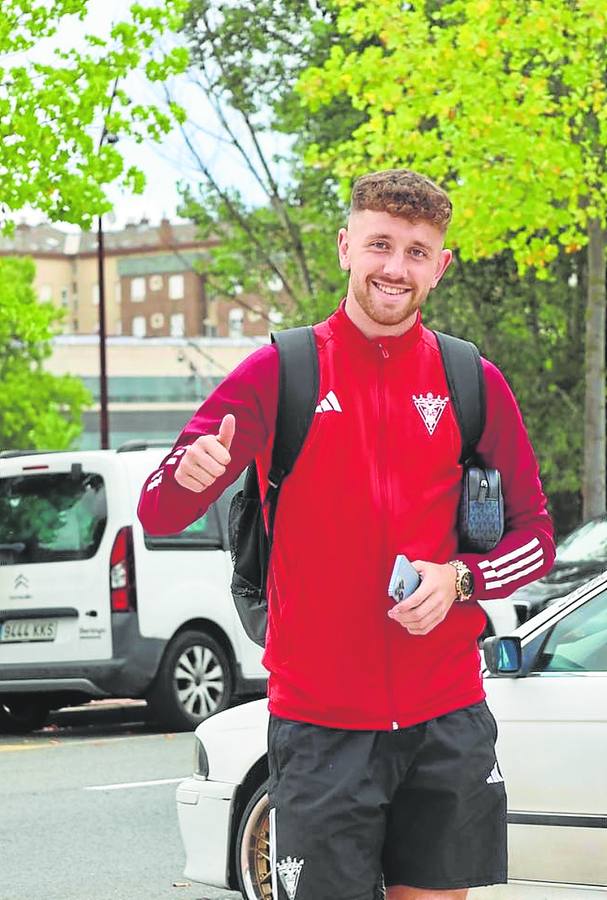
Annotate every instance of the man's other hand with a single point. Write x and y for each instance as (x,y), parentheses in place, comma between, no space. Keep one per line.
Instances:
(430,603)
(207,458)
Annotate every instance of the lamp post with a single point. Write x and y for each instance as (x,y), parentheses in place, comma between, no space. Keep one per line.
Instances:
(104,430)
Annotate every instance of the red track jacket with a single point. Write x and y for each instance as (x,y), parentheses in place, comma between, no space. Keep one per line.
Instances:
(378,475)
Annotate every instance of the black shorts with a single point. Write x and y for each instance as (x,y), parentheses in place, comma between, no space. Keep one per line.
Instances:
(424,806)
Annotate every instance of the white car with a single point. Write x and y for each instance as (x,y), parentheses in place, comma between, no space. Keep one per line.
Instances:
(548,690)
(91,606)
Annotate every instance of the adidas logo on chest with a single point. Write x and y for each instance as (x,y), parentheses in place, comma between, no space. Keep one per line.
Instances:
(329,403)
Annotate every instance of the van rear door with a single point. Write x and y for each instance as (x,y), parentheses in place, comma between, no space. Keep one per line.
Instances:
(54,559)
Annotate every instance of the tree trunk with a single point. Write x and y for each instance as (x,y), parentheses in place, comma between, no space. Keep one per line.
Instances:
(593,482)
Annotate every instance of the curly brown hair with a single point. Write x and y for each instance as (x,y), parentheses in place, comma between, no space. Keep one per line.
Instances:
(402,193)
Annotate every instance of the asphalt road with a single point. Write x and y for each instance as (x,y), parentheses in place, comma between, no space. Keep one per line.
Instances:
(88,811)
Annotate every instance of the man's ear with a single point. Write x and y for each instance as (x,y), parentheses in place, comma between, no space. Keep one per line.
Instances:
(343,249)
(445,259)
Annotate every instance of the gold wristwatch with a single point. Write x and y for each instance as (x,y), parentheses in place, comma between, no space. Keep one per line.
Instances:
(464,580)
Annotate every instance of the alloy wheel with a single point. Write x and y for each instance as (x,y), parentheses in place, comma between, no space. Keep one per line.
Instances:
(200,681)
(255,853)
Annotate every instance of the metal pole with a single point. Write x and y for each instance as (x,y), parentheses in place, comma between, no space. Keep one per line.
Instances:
(103,412)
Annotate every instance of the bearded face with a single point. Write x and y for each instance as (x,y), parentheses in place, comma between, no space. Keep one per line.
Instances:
(393,265)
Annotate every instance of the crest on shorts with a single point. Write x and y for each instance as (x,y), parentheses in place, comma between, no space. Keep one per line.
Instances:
(289,871)
(430,409)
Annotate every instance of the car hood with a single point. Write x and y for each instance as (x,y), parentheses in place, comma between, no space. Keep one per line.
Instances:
(234,740)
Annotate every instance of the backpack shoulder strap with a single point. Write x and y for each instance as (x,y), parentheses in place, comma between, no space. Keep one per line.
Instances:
(297,397)
(466,380)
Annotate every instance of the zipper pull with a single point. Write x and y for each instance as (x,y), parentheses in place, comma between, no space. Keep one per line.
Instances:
(384,352)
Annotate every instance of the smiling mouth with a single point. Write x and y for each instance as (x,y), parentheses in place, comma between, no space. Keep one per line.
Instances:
(390,289)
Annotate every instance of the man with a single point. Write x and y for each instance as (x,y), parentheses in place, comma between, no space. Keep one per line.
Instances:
(381,747)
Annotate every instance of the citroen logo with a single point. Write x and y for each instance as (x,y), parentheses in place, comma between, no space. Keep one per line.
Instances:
(21,582)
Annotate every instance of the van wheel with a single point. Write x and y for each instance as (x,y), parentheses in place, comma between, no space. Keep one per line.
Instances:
(194,681)
(20,715)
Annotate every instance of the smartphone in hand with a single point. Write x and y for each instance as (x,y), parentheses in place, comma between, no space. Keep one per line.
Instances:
(405,579)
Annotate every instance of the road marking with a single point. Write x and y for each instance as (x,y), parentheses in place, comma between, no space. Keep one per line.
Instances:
(68,741)
(12,748)
(134,784)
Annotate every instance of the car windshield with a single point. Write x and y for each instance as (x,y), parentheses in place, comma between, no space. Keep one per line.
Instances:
(51,518)
(587,543)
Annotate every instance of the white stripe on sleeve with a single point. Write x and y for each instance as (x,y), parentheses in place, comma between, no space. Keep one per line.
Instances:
(514,554)
(519,564)
(492,585)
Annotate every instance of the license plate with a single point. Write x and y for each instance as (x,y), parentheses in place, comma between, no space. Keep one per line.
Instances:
(15,630)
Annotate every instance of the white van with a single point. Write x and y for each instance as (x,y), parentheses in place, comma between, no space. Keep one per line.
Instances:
(92,607)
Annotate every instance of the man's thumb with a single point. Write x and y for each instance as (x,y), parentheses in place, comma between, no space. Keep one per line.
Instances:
(226,430)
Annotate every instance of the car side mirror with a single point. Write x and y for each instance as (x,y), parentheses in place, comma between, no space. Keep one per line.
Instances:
(503,655)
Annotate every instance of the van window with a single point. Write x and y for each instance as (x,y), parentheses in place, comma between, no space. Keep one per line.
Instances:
(201,534)
(51,518)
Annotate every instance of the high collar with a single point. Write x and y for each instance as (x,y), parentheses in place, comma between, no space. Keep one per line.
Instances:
(343,327)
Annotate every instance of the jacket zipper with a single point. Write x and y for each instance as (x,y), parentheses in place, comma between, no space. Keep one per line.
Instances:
(382,476)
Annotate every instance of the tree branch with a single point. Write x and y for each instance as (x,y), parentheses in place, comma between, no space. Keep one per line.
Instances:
(276,199)
(236,214)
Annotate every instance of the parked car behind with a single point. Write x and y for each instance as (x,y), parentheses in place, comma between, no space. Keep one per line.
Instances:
(551,709)
(579,556)
(92,607)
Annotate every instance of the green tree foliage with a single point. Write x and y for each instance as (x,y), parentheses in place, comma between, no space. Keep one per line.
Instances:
(504,102)
(52,114)
(37,410)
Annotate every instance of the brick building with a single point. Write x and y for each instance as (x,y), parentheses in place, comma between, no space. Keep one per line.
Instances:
(154,281)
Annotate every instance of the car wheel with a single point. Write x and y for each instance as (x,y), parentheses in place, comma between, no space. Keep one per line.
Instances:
(20,715)
(253,849)
(194,681)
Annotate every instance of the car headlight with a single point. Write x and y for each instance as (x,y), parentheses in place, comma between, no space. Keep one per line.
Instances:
(201,760)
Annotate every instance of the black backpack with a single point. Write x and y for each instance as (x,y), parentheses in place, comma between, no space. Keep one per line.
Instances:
(250,544)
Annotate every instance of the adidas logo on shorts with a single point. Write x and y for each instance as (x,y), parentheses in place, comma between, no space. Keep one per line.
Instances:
(496,776)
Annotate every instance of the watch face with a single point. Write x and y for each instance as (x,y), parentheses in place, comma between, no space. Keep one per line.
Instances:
(466,583)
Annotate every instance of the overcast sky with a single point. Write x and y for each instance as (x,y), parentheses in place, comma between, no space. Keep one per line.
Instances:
(164,164)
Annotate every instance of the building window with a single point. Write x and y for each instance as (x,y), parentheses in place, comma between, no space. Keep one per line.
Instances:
(235,322)
(137,290)
(75,324)
(95,294)
(177,325)
(157,320)
(176,287)
(155,282)
(46,293)
(65,297)
(118,328)
(118,291)
(138,326)
(210,330)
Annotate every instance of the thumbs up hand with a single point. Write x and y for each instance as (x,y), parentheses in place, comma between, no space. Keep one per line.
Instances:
(207,458)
